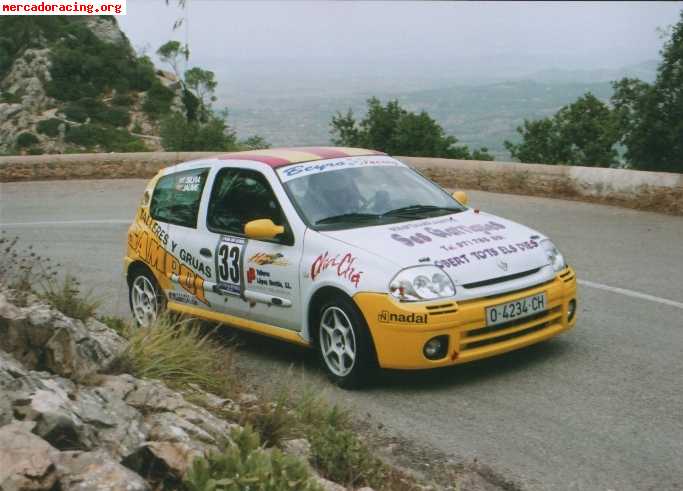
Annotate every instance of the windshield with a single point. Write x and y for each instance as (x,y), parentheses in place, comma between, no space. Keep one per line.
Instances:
(364,196)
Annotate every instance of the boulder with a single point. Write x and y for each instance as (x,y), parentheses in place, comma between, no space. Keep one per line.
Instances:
(27,462)
(43,338)
(92,471)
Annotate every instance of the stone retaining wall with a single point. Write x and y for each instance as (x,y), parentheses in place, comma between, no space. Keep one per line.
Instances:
(655,191)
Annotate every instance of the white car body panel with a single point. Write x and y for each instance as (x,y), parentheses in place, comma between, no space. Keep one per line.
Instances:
(469,246)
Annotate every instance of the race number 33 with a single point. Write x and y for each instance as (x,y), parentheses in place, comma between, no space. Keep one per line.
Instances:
(228,257)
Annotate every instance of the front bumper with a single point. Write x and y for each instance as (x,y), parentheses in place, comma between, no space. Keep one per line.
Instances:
(400,330)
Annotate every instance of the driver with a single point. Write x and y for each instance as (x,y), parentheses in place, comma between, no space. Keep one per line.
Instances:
(333,193)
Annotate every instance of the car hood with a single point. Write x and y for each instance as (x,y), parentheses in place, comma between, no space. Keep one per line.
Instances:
(470,246)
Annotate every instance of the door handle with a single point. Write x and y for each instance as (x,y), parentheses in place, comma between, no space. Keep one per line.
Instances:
(205,252)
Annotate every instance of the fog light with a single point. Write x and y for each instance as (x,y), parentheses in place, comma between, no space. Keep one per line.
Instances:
(571,310)
(436,348)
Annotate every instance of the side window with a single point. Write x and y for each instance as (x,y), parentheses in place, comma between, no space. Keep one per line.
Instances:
(176,197)
(239,196)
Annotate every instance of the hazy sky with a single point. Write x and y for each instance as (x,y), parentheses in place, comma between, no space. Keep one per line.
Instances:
(572,34)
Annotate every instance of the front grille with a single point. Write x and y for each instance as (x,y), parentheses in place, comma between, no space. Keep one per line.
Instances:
(501,279)
(567,276)
(488,335)
(441,309)
(512,335)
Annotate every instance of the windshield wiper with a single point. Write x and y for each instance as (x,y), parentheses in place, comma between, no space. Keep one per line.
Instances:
(348,217)
(413,209)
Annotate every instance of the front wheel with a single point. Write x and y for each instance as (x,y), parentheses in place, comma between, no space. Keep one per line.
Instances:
(344,344)
(145,298)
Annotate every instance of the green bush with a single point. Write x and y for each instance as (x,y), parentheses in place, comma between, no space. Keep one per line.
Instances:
(75,112)
(83,65)
(342,457)
(49,127)
(10,98)
(26,139)
(122,100)
(107,138)
(178,134)
(245,466)
(115,116)
(158,99)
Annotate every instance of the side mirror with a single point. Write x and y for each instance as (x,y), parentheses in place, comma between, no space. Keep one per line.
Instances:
(263,228)
(461,197)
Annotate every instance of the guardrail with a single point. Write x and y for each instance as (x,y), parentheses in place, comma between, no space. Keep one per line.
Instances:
(656,191)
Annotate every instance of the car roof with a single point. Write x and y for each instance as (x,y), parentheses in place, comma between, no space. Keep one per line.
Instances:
(279,157)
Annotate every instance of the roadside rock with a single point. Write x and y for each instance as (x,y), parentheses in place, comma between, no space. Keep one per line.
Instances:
(88,471)
(42,338)
(27,462)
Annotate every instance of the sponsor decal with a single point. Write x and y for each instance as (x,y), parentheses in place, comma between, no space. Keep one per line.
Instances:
(265,259)
(481,254)
(394,318)
(344,267)
(195,262)
(429,232)
(301,170)
(149,247)
(265,280)
(188,183)
(182,297)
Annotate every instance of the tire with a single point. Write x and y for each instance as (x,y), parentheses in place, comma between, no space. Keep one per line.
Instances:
(344,343)
(145,298)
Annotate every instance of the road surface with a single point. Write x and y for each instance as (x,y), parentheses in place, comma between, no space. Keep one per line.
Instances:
(598,408)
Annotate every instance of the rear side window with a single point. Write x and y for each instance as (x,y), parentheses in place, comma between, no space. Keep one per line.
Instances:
(176,197)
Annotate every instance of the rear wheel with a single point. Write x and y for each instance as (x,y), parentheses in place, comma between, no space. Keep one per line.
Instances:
(145,298)
(344,343)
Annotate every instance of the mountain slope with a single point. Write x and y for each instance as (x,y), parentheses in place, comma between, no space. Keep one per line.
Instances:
(71,84)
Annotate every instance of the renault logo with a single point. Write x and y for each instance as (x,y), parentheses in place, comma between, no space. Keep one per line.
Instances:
(502,265)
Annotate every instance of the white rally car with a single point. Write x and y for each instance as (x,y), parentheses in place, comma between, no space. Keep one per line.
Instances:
(348,251)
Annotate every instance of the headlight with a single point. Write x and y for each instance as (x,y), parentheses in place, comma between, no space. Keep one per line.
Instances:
(554,255)
(421,283)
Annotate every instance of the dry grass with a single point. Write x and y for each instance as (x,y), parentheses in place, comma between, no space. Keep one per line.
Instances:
(181,354)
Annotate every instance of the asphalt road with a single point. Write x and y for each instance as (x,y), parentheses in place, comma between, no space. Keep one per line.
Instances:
(598,408)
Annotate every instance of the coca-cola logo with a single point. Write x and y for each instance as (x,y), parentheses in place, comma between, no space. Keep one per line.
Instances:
(344,266)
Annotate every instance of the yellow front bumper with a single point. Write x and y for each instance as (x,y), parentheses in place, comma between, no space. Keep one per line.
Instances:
(400,330)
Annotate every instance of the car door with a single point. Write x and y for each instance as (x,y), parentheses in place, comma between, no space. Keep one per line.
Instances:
(176,203)
(263,274)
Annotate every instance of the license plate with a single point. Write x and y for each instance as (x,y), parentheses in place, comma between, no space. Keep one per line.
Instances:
(517,309)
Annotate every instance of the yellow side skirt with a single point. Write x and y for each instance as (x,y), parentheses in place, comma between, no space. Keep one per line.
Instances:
(246,324)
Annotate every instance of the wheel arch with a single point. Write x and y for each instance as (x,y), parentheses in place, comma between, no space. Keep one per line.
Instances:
(138,266)
(325,293)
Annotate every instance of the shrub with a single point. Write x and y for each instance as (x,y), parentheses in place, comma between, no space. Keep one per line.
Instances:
(343,458)
(115,116)
(125,100)
(35,151)
(179,354)
(68,298)
(273,420)
(26,139)
(158,99)
(178,134)
(107,138)
(75,112)
(49,127)
(245,466)
(10,98)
